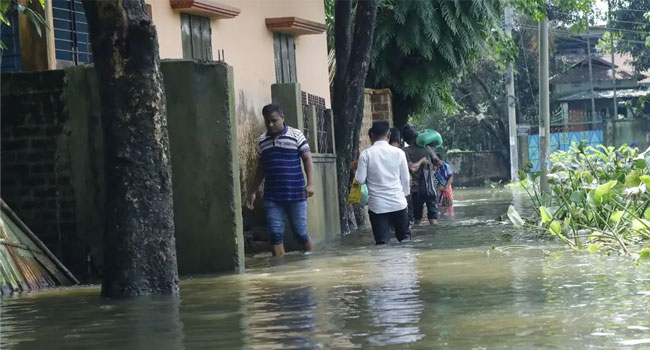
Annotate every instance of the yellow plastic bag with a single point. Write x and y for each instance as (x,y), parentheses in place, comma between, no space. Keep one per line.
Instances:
(355,193)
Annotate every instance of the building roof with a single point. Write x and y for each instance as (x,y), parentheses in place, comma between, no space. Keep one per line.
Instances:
(607,94)
(601,66)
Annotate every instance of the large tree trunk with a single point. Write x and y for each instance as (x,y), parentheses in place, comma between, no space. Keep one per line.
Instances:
(352,60)
(140,251)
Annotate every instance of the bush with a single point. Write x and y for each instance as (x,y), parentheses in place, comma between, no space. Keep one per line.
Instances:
(599,199)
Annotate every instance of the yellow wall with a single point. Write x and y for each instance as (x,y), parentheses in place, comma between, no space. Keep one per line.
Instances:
(248,47)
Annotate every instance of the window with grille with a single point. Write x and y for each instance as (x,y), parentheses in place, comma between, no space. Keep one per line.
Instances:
(284,47)
(71,39)
(10,55)
(196,35)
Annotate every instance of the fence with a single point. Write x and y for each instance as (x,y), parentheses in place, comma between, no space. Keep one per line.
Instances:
(324,130)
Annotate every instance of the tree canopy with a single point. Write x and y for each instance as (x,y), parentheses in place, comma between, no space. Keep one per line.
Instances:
(421,47)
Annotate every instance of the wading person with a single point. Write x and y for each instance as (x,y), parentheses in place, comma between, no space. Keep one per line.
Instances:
(279,152)
(384,169)
(425,157)
(445,177)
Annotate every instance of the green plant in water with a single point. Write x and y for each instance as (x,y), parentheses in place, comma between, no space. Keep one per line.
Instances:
(599,199)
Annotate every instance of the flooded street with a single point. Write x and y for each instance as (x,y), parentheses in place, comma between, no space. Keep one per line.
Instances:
(469,283)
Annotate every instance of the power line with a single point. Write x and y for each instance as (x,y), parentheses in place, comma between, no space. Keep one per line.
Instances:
(575,37)
(639,23)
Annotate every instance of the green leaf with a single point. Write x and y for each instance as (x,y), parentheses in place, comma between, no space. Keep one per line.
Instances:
(577,196)
(640,224)
(2,45)
(522,175)
(646,214)
(555,228)
(640,163)
(593,248)
(514,217)
(616,216)
(646,180)
(632,179)
(644,253)
(603,190)
(545,214)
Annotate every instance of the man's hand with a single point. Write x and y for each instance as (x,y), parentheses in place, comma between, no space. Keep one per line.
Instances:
(424,161)
(309,190)
(250,201)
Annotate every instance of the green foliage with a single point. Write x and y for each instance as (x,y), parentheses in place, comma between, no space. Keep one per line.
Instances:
(8,8)
(599,198)
(421,47)
(631,23)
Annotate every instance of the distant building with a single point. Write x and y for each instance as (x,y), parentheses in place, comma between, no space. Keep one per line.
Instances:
(571,90)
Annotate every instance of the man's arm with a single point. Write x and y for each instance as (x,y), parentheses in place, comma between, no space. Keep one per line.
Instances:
(413,167)
(255,186)
(362,169)
(309,170)
(404,175)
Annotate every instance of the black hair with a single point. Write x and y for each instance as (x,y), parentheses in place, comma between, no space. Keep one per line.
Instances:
(409,134)
(270,108)
(379,128)
(394,135)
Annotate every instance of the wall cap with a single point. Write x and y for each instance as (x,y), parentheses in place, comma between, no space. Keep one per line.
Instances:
(205,8)
(294,26)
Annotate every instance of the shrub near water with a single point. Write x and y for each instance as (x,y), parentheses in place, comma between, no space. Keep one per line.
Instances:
(599,199)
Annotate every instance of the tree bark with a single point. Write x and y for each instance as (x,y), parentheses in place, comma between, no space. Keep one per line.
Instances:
(140,252)
(353,61)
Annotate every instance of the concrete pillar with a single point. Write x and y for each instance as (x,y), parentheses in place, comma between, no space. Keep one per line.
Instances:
(312,120)
(205,166)
(289,97)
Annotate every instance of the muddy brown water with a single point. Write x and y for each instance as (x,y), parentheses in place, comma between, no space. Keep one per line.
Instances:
(469,283)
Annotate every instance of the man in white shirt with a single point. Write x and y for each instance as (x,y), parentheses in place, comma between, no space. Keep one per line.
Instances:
(384,169)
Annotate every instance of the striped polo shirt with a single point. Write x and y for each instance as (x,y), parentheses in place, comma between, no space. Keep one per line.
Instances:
(280,157)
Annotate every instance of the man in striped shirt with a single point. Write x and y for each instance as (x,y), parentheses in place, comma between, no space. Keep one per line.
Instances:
(279,152)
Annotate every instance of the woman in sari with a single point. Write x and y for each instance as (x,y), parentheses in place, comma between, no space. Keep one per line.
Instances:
(445,178)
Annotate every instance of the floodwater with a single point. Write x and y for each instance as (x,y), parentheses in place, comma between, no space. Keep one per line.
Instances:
(468,283)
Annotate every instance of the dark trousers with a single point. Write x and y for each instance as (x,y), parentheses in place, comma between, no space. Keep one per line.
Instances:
(381,224)
(410,208)
(418,207)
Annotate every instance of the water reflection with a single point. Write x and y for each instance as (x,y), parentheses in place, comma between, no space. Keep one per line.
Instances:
(448,289)
(83,322)
(394,301)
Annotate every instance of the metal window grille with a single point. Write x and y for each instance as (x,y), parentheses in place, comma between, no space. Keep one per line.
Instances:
(71,38)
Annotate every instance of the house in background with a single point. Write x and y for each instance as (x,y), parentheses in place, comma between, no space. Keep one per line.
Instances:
(574,119)
(571,90)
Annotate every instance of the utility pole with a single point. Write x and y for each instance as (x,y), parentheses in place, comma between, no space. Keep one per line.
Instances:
(510,104)
(611,47)
(544,106)
(591,76)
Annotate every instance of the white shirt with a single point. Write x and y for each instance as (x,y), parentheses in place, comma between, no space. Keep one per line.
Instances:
(383,168)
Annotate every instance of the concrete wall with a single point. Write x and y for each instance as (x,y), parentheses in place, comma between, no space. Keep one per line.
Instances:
(476,168)
(36,178)
(52,169)
(626,131)
(205,168)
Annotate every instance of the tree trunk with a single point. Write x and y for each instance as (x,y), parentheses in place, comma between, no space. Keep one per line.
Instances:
(140,252)
(353,60)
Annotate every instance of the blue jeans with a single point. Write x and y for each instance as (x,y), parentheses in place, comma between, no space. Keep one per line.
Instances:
(297,214)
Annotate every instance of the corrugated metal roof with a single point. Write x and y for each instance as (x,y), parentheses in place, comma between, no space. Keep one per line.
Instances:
(607,94)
